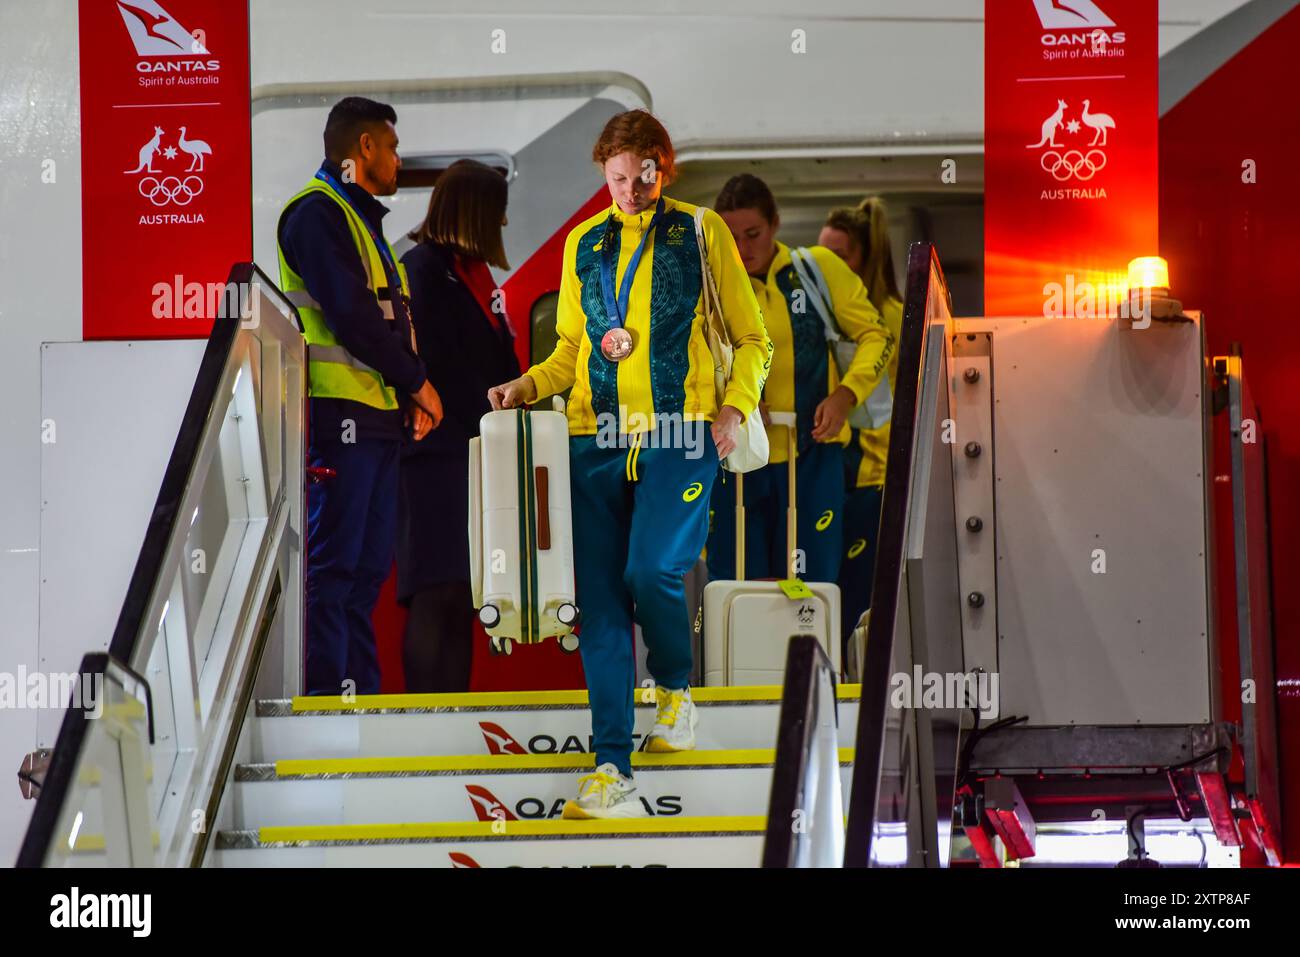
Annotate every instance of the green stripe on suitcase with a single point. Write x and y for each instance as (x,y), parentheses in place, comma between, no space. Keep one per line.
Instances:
(534,613)
(521,506)
(529,614)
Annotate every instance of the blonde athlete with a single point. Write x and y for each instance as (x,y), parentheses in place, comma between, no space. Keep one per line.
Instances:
(860,236)
(647,430)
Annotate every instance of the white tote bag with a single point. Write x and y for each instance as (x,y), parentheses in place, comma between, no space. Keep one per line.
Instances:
(751,450)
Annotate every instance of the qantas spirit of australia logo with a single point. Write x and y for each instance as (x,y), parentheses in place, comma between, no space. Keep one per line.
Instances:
(488,807)
(1079,23)
(157,34)
(501,741)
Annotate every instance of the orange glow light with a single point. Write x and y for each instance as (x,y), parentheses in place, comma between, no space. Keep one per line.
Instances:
(1148,272)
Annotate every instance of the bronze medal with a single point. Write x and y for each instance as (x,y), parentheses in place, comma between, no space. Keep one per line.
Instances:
(616,344)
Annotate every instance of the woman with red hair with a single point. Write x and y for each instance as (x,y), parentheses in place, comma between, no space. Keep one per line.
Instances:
(647,430)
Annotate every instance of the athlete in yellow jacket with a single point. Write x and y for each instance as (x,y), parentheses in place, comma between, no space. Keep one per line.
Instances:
(804,379)
(647,430)
(860,236)
(669,369)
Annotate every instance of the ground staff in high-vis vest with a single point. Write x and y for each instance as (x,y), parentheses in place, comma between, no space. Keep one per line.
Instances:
(805,380)
(365,382)
(860,236)
(647,429)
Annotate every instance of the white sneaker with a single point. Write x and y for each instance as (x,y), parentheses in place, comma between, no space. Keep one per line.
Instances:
(675,722)
(603,794)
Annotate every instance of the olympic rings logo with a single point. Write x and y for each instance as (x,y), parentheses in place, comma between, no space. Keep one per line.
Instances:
(170,189)
(1073,163)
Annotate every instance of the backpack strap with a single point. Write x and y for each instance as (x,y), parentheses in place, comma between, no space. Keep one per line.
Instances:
(814,285)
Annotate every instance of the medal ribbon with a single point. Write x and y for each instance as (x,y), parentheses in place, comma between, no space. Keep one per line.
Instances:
(616,306)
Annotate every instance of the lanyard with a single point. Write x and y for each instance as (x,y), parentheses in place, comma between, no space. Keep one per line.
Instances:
(616,307)
(390,267)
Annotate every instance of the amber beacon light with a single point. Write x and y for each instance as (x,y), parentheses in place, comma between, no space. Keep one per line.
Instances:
(1148,288)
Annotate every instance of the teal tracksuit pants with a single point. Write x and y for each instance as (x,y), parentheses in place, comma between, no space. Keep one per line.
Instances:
(640,519)
(819,530)
(861,535)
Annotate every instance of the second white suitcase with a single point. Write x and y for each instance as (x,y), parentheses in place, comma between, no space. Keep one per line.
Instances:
(521,529)
(748,624)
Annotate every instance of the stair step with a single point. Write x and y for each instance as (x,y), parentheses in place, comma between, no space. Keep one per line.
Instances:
(539,722)
(534,699)
(360,791)
(727,841)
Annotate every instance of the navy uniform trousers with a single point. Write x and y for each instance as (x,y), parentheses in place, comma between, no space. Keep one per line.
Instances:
(351,535)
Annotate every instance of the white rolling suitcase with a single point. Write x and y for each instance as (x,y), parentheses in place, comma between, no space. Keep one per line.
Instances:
(521,529)
(748,624)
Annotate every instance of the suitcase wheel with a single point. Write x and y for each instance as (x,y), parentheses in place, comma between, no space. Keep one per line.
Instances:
(568,643)
(489,616)
(567,615)
(500,646)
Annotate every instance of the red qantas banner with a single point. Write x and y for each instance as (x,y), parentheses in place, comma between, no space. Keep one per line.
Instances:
(1070,153)
(166,163)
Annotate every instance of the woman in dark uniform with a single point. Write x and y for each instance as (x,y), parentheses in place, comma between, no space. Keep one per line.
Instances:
(467,344)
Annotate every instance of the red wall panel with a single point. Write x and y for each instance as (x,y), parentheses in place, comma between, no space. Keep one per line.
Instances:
(1233,251)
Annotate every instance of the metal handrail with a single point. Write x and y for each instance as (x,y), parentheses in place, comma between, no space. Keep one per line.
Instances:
(805,821)
(891,554)
(145,606)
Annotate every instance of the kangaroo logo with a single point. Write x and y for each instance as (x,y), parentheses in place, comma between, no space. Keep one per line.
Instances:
(499,740)
(1050,126)
(147,153)
(487,806)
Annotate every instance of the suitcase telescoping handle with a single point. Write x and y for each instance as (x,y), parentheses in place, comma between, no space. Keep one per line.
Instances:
(541,481)
(784,420)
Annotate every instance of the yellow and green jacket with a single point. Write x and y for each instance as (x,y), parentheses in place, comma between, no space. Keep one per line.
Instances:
(869,448)
(670,369)
(803,370)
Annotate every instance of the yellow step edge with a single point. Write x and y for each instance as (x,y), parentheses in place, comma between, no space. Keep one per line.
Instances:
(752,824)
(92,776)
(94,843)
(299,767)
(505,699)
